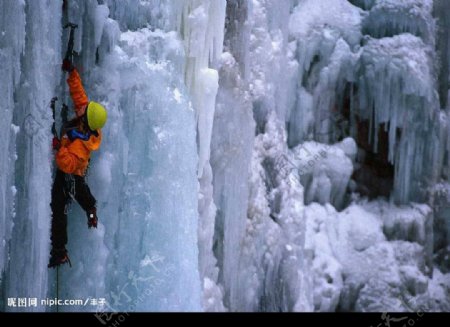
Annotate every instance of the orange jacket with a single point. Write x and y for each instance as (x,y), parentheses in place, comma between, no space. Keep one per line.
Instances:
(73,156)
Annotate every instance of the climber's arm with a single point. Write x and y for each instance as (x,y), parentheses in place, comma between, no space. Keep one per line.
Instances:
(77,92)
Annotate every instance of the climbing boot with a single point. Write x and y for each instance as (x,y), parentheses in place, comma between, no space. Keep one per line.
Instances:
(58,257)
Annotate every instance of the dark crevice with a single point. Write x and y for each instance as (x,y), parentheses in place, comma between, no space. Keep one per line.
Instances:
(363,4)
(374,175)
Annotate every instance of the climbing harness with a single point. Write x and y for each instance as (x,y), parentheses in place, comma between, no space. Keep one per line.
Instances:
(74,134)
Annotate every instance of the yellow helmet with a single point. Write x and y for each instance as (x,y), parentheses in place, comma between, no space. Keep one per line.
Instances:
(96,115)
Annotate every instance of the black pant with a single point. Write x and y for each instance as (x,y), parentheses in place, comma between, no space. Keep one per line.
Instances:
(63,187)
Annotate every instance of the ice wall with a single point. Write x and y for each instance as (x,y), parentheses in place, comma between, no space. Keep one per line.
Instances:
(343,78)
(321,76)
(259,231)
(30,52)
(415,92)
(190,44)
(11,46)
(202,28)
(269,64)
(151,69)
(275,271)
(337,91)
(231,150)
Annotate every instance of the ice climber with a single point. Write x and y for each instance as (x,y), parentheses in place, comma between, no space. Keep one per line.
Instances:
(80,137)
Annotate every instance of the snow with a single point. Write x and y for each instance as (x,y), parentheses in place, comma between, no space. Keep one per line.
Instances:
(355,262)
(177,95)
(327,271)
(311,16)
(325,171)
(438,291)
(406,222)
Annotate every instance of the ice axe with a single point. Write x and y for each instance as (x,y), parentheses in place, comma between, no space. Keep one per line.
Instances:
(53,106)
(70,53)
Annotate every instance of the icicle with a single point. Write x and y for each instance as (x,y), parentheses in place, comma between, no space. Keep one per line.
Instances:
(391,17)
(201,26)
(325,63)
(400,84)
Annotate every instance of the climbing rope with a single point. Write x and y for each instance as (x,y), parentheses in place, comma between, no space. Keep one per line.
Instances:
(57,289)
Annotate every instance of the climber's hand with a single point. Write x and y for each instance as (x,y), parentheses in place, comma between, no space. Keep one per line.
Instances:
(92,218)
(67,66)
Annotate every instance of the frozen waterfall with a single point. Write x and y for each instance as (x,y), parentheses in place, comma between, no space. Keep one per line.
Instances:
(259,155)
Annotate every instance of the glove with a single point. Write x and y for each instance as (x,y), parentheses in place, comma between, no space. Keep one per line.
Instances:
(67,66)
(56,144)
(92,218)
